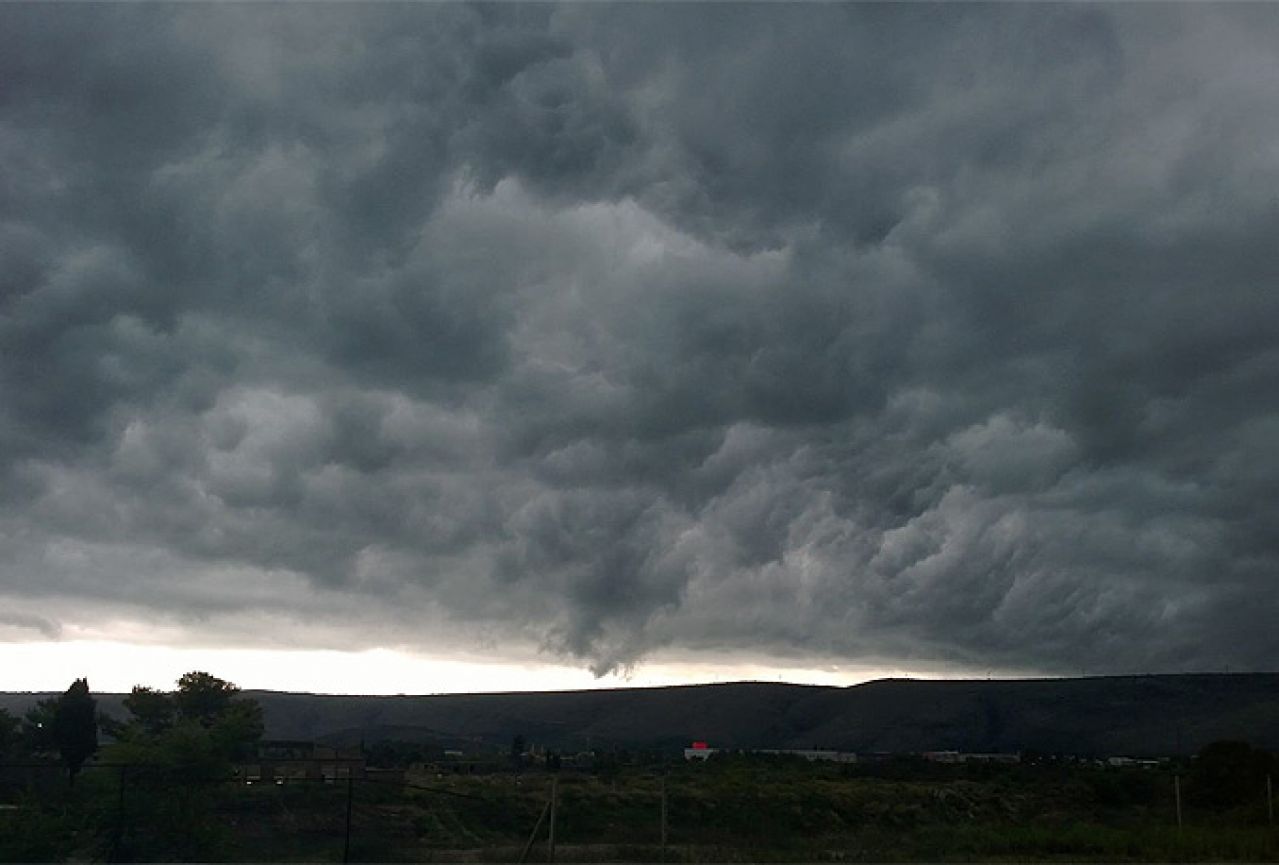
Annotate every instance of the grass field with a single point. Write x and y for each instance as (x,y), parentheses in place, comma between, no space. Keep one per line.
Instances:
(731,810)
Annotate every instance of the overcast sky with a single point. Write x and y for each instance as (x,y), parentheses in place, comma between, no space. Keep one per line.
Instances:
(610,339)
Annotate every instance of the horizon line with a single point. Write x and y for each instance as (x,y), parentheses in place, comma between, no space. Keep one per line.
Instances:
(717,684)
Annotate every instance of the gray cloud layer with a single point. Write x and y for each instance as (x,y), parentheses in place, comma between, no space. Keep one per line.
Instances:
(841,332)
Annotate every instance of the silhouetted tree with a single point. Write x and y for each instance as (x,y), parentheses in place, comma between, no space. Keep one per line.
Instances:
(203,697)
(67,724)
(153,710)
(203,723)
(10,735)
(176,743)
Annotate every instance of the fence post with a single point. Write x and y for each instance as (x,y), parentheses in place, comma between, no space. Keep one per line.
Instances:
(663,836)
(1270,801)
(1176,791)
(533,835)
(550,852)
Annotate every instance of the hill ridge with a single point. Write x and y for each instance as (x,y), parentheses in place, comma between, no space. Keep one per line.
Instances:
(1141,715)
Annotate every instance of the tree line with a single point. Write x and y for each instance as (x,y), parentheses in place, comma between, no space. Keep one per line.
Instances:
(202,725)
(160,770)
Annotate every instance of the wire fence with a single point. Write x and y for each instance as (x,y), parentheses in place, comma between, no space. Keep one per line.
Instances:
(128,812)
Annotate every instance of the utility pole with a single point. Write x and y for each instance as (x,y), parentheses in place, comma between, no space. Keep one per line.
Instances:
(550,847)
(350,791)
(1176,791)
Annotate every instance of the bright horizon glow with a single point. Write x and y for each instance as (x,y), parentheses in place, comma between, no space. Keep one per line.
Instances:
(115,667)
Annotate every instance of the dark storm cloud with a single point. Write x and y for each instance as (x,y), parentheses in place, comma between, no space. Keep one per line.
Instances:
(923,334)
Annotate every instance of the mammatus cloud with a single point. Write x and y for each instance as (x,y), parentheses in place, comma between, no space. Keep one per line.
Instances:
(839,332)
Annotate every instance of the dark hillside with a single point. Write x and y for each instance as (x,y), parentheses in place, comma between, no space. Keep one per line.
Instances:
(1134,715)
(1139,715)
